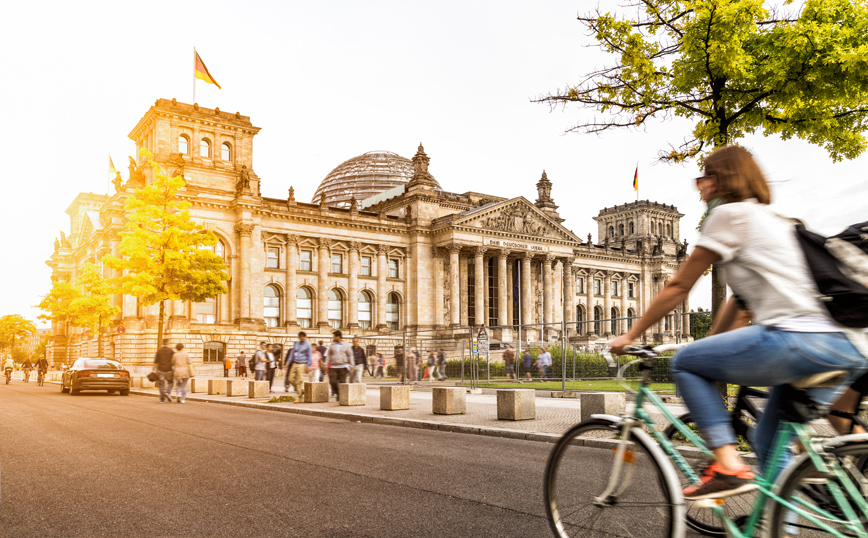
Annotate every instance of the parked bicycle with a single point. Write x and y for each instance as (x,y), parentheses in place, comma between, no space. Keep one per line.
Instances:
(611,476)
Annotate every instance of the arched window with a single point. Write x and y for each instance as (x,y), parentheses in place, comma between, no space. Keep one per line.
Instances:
(668,230)
(205,148)
(336,309)
(220,249)
(206,312)
(660,229)
(630,315)
(183,145)
(304,307)
(213,351)
(632,228)
(598,315)
(621,230)
(611,231)
(393,311)
(580,317)
(271,305)
(226,152)
(365,310)
(614,323)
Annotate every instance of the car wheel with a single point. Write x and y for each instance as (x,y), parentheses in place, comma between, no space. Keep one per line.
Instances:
(125,392)
(74,392)
(63,388)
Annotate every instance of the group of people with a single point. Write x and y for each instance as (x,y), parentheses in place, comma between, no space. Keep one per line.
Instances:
(172,368)
(26,367)
(412,367)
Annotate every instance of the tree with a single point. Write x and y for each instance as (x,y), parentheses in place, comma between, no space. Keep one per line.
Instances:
(735,68)
(39,352)
(57,303)
(15,327)
(163,252)
(700,323)
(93,307)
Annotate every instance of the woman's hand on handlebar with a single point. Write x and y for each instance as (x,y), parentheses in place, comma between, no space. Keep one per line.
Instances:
(617,345)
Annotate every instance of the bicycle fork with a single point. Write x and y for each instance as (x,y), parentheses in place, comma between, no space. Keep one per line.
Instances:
(622,455)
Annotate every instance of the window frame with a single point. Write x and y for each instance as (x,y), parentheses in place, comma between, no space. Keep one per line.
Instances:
(631,290)
(615,288)
(340,264)
(216,309)
(394,270)
(598,287)
(266,307)
(393,324)
(367,324)
(228,147)
(207,143)
(308,261)
(269,250)
(580,285)
(304,322)
(187,144)
(335,323)
(363,267)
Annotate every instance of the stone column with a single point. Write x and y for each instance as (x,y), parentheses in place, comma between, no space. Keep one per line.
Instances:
(322,302)
(502,288)
(454,286)
(439,287)
(353,291)
(244,231)
(291,280)
(479,296)
(464,289)
(382,271)
(526,297)
(607,302)
(685,323)
(570,291)
(548,263)
(624,306)
(589,307)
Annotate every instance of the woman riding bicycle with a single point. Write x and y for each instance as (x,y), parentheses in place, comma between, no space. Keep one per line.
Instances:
(793,335)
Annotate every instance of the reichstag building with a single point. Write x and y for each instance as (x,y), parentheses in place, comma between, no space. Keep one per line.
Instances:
(382,248)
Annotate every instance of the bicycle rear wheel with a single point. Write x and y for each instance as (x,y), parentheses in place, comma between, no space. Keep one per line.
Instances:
(801,488)
(580,471)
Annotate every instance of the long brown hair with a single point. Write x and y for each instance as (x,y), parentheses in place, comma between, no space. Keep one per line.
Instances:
(738,175)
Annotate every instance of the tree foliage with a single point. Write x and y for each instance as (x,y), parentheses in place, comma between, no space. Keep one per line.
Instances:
(736,67)
(700,323)
(93,309)
(57,303)
(14,327)
(164,253)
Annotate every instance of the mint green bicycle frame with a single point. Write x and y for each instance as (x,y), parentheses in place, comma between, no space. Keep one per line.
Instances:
(765,484)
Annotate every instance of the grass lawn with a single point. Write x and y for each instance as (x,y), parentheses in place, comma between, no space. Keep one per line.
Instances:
(588,385)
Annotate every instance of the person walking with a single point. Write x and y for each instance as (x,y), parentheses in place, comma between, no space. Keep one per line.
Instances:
(411,364)
(400,360)
(441,365)
(432,365)
(241,365)
(527,359)
(509,362)
(544,362)
(313,373)
(323,363)
(227,364)
(381,367)
(298,360)
(360,360)
(340,360)
(163,369)
(270,366)
(260,360)
(182,371)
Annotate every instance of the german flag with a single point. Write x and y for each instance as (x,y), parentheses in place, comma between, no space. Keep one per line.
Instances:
(635,178)
(202,72)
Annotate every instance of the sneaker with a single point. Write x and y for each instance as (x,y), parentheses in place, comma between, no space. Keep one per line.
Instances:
(169,399)
(182,401)
(717,483)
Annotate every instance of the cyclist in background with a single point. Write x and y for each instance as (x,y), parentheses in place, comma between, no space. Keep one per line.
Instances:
(42,369)
(27,366)
(8,367)
(793,335)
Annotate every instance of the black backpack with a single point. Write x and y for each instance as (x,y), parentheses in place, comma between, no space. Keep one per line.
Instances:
(839,265)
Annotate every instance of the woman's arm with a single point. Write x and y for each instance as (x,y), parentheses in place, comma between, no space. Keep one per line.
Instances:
(673,293)
(731,317)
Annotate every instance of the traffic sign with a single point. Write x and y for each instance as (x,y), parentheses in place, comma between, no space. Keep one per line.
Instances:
(482,341)
(121,329)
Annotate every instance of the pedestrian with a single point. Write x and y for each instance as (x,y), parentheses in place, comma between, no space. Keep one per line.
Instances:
(399,364)
(298,360)
(277,351)
(270,366)
(241,365)
(260,359)
(411,364)
(313,373)
(509,362)
(441,365)
(163,369)
(227,364)
(432,364)
(381,366)
(544,362)
(323,363)
(527,362)
(360,360)
(340,359)
(181,372)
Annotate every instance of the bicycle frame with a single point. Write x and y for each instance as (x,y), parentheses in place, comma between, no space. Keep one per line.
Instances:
(766,485)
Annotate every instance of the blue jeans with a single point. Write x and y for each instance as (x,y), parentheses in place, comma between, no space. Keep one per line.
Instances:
(757,356)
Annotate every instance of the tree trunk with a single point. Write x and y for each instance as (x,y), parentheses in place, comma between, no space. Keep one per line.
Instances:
(160,324)
(99,338)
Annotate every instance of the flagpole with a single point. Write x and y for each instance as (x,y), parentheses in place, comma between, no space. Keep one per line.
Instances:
(637,181)
(108,183)
(194,74)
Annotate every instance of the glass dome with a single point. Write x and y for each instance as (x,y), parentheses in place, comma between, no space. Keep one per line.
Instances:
(364,176)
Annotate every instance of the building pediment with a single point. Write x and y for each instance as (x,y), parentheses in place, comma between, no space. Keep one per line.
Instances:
(516,217)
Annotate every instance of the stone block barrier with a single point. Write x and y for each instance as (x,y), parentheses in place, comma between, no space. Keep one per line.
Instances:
(316,392)
(516,404)
(198,384)
(257,389)
(449,401)
(352,394)
(236,387)
(601,403)
(395,398)
(216,386)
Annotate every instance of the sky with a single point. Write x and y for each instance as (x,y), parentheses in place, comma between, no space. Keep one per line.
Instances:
(327,81)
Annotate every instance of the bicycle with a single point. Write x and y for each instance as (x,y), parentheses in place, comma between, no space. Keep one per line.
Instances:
(589,489)
(40,378)
(8,375)
(27,375)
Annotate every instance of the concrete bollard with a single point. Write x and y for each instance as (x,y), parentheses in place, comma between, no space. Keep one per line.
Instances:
(449,401)
(216,386)
(257,389)
(395,398)
(516,404)
(135,382)
(236,387)
(198,384)
(316,392)
(352,394)
(601,403)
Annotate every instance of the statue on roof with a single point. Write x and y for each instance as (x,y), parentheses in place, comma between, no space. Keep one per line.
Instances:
(291,197)
(243,184)
(590,239)
(137,175)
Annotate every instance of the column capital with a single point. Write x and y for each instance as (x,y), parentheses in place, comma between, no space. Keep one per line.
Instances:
(382,249)
(528,255)
(503,254)
(453,247)
(355,246)
(244,229)
(292,239)
(324,242)
(480,251)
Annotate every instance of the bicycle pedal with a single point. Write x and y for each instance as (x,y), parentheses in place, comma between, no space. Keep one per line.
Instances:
(709,503)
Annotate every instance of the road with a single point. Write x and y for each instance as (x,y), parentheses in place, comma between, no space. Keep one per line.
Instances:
(100,465)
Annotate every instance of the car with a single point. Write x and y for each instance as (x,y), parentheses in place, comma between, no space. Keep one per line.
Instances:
(95,374)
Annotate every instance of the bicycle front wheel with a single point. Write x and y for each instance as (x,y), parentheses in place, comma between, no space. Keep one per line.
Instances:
(594,489)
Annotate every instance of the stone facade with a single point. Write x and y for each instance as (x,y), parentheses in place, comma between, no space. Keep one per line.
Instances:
(412,259)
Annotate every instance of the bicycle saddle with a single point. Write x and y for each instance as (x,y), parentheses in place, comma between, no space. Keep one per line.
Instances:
(825,379)
(796,405)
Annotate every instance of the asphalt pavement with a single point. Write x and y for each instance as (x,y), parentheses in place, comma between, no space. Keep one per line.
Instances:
(110,465)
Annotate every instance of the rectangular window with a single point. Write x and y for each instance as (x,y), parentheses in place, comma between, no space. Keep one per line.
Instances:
(365,314)
(614,288)
(305,260)
(630,291)
(392,316)
(272,260)
(337,263)
(366,266)
(393,268)
(580,285)
(598,286)
(206,312)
